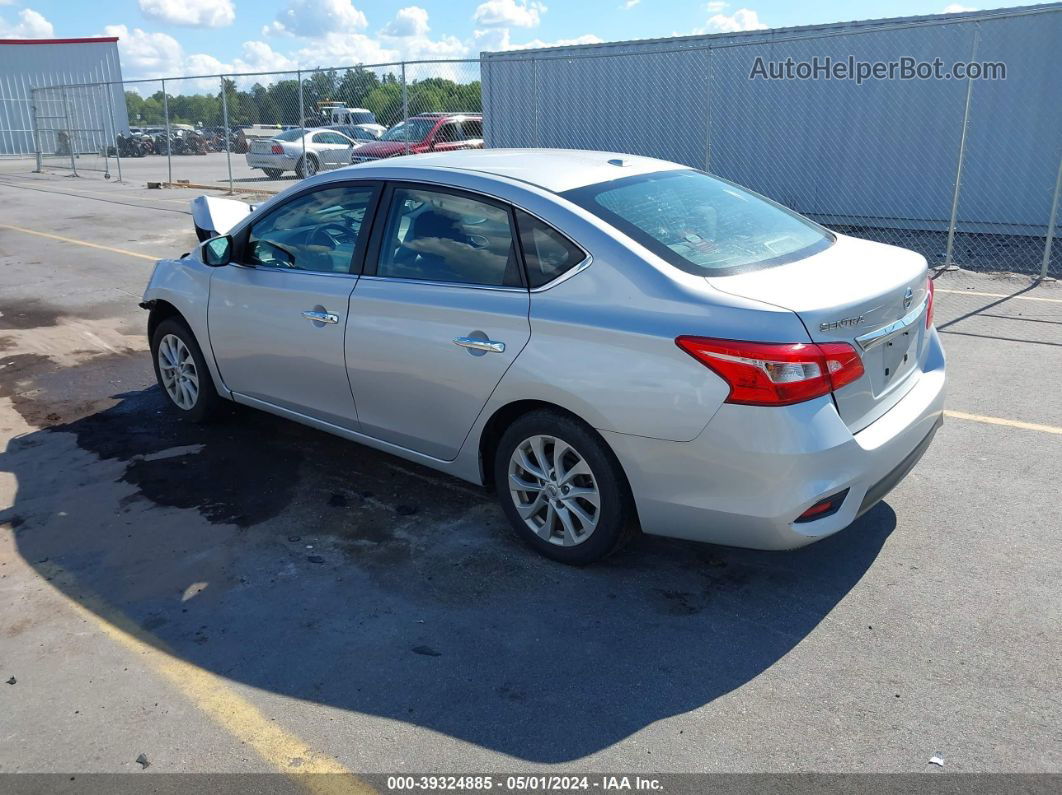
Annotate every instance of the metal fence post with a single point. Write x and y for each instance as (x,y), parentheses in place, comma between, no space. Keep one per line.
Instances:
(962,156)
(708,115)
(69,139)
(302,122)
(534,103)
(36,132)
(169,144)
(114,130)
(1051,223)
(405,108)
(225,121)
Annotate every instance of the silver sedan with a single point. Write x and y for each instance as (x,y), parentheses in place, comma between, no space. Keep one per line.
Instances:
(303,151)
(615,344)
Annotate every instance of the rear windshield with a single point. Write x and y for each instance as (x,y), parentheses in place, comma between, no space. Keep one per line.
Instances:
(289,135)
(702,224)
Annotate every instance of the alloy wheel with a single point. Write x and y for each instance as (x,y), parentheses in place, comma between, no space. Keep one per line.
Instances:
(554,490)
(177,368)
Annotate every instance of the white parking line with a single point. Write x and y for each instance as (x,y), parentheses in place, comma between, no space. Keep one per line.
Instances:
(1000,295)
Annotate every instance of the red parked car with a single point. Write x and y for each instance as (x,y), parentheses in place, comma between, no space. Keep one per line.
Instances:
(427,132)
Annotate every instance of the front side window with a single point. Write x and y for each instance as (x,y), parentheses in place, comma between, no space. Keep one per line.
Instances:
(317,231)
(702,224)
(547,253)
(448,237)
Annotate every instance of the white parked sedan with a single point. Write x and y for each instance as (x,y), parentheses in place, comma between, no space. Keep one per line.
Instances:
(303,151)
(615,343)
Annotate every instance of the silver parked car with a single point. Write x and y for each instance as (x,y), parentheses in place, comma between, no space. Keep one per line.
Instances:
(615,343)
(303,151)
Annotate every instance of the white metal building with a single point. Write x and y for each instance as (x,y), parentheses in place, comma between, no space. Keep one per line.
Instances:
(28,64)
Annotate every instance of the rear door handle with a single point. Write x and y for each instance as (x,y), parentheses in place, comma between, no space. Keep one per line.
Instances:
(477,344)
(320,317)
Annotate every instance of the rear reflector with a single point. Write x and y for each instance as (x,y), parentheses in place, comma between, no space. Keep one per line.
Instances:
(774,374)
(929,302)
(823,508)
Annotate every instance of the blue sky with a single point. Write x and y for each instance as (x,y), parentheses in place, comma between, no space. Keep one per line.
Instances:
(172,37)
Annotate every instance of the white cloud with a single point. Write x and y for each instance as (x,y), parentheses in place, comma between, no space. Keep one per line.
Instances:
(629,5)
(258,56)
(715,6)
(195,13)
(146,54)
(344,49)
(956,8)
(411,21)
(30,25)
(317,19)
(508,14)
(407,35)
(742,19)
(498,40)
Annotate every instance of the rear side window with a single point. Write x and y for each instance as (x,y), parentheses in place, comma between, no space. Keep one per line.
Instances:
(472,129)
(547,252)
(448,237)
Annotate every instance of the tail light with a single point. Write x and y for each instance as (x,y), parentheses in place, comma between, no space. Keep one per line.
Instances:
(929,303)
(277,149)
(771,374)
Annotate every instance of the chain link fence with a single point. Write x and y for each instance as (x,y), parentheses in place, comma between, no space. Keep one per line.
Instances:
(75,128)
(966,171)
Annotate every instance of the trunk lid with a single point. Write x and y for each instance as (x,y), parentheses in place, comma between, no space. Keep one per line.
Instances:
(870,295)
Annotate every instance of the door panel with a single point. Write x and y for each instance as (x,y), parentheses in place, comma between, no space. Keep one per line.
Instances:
(266,349)
(276,320)
(438,321)
(415,387)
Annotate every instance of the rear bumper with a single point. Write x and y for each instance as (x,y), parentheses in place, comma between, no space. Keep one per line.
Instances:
(754,470)
(265,160)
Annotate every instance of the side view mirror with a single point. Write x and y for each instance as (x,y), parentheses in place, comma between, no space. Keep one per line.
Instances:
(217,251)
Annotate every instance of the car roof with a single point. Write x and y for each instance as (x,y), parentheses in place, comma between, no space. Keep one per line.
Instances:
(555,170)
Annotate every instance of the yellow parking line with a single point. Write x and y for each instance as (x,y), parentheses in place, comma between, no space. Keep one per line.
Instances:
(1001,295)
(76,242)
(1028,426)
(209,693)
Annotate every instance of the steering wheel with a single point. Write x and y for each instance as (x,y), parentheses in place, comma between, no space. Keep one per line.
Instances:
(331,236)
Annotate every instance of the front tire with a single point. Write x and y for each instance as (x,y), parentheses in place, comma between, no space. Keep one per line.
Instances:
(182,372)
(562,488)
(273,173)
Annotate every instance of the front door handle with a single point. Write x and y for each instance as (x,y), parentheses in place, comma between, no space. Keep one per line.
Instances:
(320,317)
(478,344)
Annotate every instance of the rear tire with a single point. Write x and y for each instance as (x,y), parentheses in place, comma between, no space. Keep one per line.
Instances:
(182,372)
(306,167)
(273,173)
(575,505)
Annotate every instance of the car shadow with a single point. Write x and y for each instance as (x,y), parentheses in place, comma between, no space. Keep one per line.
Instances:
(292,561)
